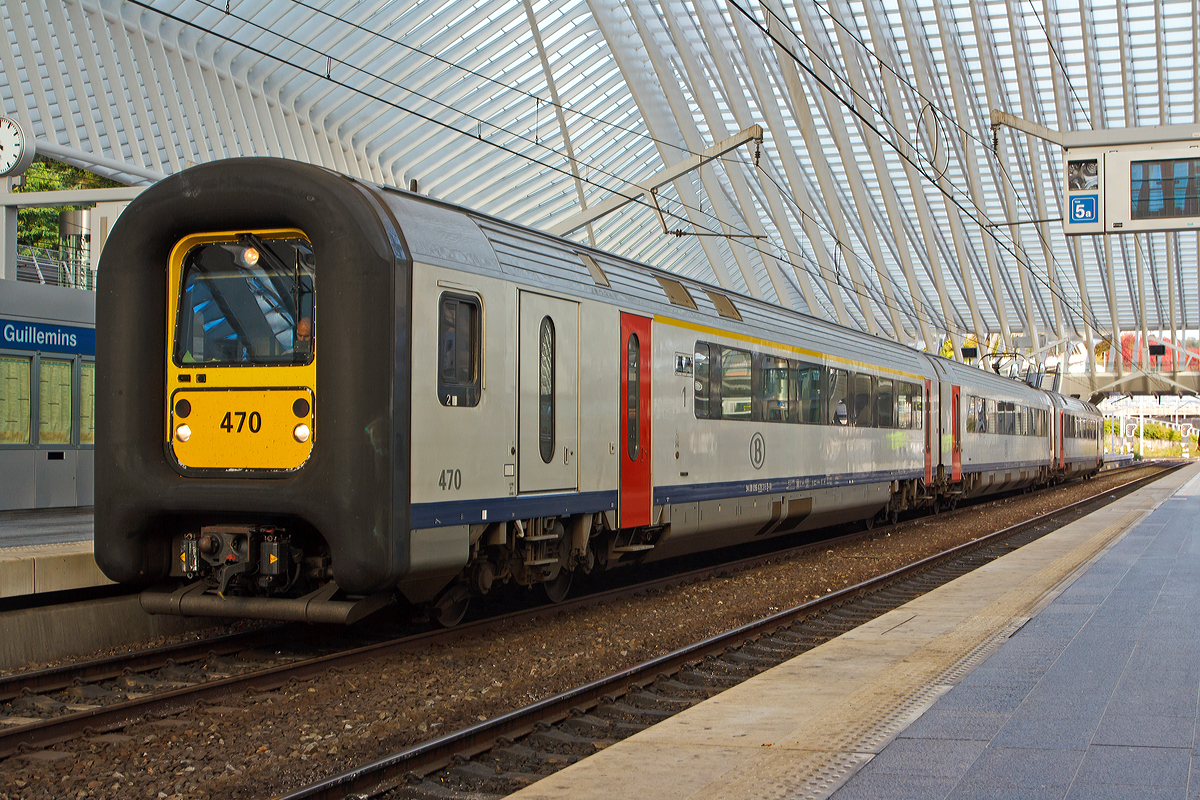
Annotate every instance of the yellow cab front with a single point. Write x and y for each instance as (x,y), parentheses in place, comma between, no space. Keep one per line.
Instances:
(241,351)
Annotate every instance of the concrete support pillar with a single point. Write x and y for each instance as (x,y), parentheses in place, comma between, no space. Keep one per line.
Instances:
(8,242)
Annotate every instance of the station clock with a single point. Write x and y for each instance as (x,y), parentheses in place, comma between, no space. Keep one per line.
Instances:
(16,147)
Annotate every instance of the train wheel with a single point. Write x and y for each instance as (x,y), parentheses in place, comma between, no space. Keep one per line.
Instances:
(869,522)
(937,505)
(449,609)
(557,589)
(893,517)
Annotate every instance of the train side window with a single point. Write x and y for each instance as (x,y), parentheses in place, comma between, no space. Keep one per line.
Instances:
(904,412)
(546,386)
(16,398)
(993,419)
(839,388)
(972,420)
(736,399)
(773,387)
(918,406)
(808,392)
(55,409)
(459,350)
(87,402)
(701,388)
(862,390)
(885,403)
(633,403)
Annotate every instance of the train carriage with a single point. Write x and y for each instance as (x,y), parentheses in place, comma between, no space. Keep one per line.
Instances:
(1077,447)
(319,392)
(998,432)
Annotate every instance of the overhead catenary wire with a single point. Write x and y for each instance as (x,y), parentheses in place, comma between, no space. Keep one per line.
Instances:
(862,289)
(975,213)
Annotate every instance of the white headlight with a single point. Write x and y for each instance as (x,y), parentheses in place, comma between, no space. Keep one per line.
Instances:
(301,433)
(250,256)
(183,433)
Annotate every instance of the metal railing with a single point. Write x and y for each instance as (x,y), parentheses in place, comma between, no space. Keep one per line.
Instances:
(40,265)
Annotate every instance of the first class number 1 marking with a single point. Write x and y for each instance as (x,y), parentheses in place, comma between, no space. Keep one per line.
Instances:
(235,421)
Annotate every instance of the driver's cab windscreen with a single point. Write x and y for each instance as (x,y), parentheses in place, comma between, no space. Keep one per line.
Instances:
(248,301)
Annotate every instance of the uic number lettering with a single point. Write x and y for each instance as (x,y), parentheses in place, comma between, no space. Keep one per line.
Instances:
(253,420)
(450,479)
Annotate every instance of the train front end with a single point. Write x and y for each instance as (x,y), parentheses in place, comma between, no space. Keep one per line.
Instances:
(241,384)
(252,460)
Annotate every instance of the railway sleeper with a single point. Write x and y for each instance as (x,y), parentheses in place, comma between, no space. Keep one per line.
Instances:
(562,743)
(587,725)
(91,691)
(623,712)
(653,700)
(432,790)
(753,661)
(514,757)
(722,665)
(684,690)
(779,650)
(709,679)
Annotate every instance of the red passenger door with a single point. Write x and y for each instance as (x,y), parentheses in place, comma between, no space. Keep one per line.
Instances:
(928,433)
(956,433)
(634,448)
(1062,442)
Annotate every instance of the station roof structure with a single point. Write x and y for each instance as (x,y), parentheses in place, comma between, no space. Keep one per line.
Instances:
(880,197)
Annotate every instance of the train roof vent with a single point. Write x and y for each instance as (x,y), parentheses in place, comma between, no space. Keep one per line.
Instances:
(677,293)
(597,272)
(725,306)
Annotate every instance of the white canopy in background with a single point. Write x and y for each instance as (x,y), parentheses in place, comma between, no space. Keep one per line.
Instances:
(876,200)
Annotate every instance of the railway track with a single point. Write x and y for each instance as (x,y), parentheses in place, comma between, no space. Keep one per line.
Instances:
(42,708)
(504,754)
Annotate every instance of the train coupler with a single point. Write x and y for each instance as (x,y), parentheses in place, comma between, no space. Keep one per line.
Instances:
(231,555)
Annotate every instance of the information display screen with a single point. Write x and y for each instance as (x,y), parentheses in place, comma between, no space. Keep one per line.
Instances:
(1164,189)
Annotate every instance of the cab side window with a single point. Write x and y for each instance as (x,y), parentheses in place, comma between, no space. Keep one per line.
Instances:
(459,350)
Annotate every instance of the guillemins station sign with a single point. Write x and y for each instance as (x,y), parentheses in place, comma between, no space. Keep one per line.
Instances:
(16,335)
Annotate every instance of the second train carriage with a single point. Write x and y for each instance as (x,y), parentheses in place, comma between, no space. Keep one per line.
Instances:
(326,389)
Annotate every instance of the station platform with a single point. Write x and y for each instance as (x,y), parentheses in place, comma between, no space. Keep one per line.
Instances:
(47,550)
(1067,669)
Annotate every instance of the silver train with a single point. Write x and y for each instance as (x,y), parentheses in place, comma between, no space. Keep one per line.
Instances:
(544,408)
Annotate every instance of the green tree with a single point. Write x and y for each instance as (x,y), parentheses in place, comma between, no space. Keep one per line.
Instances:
(38,227)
